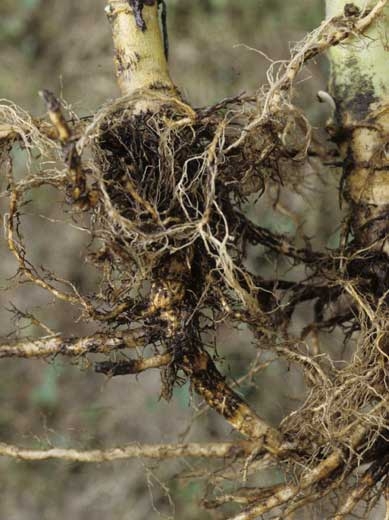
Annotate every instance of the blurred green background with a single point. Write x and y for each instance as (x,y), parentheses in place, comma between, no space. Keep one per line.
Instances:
(66,46)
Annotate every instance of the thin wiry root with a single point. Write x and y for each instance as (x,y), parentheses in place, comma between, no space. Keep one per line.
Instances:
(149,451)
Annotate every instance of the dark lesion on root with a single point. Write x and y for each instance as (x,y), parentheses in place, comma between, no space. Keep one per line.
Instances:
(131,366)
(116,368)
(52,102)
(208,382)
(137,7)
(351,10)
(123,64)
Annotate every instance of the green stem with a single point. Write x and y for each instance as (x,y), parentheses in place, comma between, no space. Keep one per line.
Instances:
(360,87)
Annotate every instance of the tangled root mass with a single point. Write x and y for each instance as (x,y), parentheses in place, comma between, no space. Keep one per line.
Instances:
(164,190)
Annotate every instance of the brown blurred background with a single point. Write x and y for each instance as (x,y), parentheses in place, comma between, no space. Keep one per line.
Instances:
(65,46)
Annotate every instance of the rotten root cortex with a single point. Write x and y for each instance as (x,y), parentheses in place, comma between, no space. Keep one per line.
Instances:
(147,166)
(177,194)
(174,190)
(176,301)
(207,381)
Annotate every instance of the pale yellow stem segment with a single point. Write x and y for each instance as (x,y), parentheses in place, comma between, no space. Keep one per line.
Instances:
(139,55)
